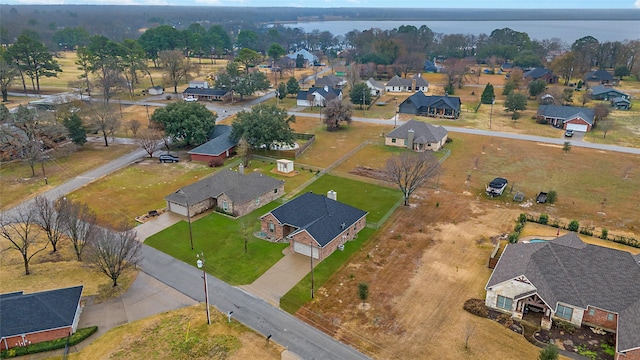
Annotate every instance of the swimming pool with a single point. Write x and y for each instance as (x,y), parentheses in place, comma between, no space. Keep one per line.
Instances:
(538,240)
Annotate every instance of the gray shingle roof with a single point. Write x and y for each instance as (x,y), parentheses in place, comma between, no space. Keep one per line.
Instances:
(328,94)
(398,81)
(205,92)
(28,313)
(375,84)
(220,143)
(567,112)
(321,217)
(601,89)
(598,75)
(419,100)
(423,133)
(570,271)
(537,73)
(238,187)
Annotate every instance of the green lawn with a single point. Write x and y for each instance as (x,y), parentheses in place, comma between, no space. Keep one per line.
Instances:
(376,200)
(301,293)
(221,240)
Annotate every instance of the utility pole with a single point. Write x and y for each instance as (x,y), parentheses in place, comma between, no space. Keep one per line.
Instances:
(311,257)
(200,264)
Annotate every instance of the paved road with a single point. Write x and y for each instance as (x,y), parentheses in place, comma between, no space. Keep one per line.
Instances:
(297,336)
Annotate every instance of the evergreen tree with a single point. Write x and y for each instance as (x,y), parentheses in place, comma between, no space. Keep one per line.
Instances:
(77,132)
(488,95)
(292,86)
(282,90)
(550,352)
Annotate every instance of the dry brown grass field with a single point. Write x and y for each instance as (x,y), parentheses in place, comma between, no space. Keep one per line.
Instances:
(181,334)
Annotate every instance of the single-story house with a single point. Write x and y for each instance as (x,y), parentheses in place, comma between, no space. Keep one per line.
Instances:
(567,117)
(27,319)
(155,90)
(318,96)
(418,136)
(621,103)
(309,58)
(207,94)
(376,87)
(430,66)
(506,67)
(599,77)
(414,84)
(315,225)
(330,81)
(200,84)
(435,106)
(221,146)
(230,191)
(569,280)
(540,74)
(607,92)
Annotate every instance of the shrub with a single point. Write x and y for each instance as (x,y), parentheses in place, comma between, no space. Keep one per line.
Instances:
(75,339)
(565,326)
(552,196)
(543,219)
(586,231)
(515,116)
(550,352)
(518,227)
(168,97)
(608,349)
(506,320)
(574,225)
(522,218)
(584,351)
(216,162)
(513,237)
(604,234)
(476,307)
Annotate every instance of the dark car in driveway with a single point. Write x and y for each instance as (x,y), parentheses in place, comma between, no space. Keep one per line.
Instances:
(168,158)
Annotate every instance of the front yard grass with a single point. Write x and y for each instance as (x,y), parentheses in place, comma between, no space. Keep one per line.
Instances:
(301,293)
(220,238)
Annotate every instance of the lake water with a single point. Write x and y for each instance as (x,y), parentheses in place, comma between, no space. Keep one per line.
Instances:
(568,31)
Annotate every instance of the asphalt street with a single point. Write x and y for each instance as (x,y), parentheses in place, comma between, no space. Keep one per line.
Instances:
(297,336)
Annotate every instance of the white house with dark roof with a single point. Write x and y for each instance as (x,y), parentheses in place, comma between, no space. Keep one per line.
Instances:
(569,280)
(377,88)
(567,117)
(418,136)
(314,224)
(227,190)
(414,84)
(318,96)
(43,316)
(309,58)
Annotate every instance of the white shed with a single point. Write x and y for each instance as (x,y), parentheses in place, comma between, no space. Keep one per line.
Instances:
(284,166)
(156,90)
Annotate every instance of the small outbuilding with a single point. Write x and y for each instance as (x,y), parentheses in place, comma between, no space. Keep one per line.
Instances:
(284,166)
(155,90)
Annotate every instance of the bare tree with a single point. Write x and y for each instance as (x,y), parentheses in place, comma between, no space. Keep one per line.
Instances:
(80,223)
(410,170)
(113,252)
(49,219)
(605,125)
(456,71)
(335,113)
(111,82)
(104,118)
(469,330)
(600,111)
(148,140)
(134,126)
(21,231)
(176,67)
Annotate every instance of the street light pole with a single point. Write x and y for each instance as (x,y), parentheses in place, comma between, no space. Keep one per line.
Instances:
(186,200)
(311,257)
(200,264)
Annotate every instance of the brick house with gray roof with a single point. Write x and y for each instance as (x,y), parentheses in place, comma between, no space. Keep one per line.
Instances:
(314,224)
(567,117)
(417,136)
(27,319)
(569,280)
(220,147)
(414,84)
(606,92)
(230,191)
(540,73)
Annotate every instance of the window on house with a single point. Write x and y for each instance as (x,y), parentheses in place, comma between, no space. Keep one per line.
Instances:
(275,191)
(592,312)
(504,302)
(225,205)
(564,312)
(272,227)
(393,140)
(610,317)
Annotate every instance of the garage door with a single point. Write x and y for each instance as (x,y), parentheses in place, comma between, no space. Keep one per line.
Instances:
(577,127)
(304,249)
(178,209)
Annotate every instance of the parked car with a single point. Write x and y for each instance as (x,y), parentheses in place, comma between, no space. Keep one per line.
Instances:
(190,99)
(496,187)
(568,133)
(168,158)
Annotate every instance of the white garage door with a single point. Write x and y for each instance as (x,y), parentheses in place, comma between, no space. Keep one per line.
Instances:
(577,127)
(178,209)
(304,249)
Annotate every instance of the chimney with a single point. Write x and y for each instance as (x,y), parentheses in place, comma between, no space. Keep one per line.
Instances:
(410,135)
(241,168)
(332,195)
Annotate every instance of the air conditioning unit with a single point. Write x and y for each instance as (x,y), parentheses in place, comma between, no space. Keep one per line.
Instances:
(341,247)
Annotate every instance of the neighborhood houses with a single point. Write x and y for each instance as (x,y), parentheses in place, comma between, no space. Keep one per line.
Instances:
(240,180)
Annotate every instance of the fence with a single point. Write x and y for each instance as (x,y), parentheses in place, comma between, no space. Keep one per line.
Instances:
(375,225)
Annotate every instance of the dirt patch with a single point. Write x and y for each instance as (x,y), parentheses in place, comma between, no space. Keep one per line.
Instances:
(377,174)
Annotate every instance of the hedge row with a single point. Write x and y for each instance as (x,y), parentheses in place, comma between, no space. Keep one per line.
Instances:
(74,339)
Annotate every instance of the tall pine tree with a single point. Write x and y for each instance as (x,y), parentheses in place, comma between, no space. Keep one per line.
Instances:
(488,95)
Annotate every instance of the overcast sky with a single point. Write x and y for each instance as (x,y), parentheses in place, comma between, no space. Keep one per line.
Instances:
(497,4)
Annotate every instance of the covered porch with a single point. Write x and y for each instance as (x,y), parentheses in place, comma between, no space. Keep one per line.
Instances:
(530,307)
